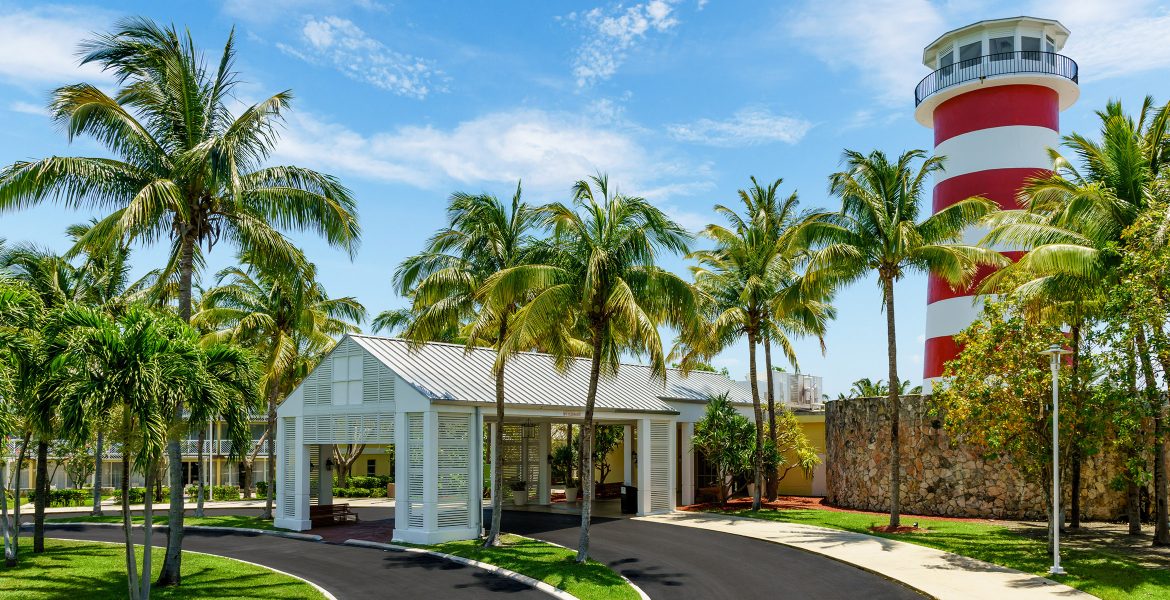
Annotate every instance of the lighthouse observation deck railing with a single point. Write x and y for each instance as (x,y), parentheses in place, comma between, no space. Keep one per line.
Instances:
(991,65)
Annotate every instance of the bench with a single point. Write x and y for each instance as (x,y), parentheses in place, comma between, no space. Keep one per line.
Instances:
(331,514)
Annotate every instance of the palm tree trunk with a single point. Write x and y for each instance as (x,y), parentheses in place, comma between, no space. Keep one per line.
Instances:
(758,455)
(20,454)
(97,475)
(1133,495)
(202,475)
(5,524)
(127,524)
(587,448)
(41,495)
(1157,408)
(172,571)
(147,532)
(273,391)
(895,406)
(497,459)
(773,482)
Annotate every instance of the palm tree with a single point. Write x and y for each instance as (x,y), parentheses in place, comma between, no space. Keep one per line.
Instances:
(56,282)
(750,288)
(446,282)
(1074,224)
(283,316)
(602,294)
(126,364)
(877,231)
(21,317)
(184,168)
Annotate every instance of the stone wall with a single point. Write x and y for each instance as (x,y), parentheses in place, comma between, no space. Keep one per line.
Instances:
(939,478)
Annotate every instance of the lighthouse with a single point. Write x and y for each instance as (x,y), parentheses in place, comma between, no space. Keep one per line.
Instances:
(993,99)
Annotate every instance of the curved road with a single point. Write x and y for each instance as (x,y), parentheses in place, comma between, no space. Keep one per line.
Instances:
(666,561)
(677,563)
(346,571)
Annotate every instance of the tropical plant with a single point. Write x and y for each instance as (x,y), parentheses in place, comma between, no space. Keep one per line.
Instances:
(877,231)
(284,316)
(183,167)
(750,287)
(724,437)
(1074,225)
(600,295)
(126,364)
(605,440)
(446,286)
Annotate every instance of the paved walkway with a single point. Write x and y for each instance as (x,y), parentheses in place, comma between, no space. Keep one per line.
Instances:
(941,574)
(677,563)
(347,572)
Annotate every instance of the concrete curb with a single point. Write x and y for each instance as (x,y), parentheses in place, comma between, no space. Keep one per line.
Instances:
(284,534)
(643,595)
(324,592)
(502,572)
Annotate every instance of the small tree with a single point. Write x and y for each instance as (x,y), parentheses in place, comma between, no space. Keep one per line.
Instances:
(343,461)
(605,439)
(792,448)
(999,389)
(78,460)
(726,439)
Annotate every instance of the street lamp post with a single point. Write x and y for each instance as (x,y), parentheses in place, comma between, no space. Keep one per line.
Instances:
(1055,351)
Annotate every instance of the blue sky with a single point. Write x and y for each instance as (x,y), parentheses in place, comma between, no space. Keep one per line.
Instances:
(679,101)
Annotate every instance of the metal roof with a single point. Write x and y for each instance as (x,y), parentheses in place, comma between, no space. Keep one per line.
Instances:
(452,372)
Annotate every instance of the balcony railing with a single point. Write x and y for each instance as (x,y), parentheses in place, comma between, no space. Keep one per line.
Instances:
(189,448)
(1004,63)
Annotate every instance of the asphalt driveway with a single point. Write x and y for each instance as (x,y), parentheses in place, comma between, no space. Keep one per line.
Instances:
(348,572)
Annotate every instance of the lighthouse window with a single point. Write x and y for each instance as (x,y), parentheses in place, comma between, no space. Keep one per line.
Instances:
(1003,46)
(1049,45)
(945,62)
(970,52)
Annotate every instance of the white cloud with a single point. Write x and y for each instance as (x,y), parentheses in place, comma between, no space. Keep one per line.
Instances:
(1115,38)
(881,40)
(548,150)
(346,47)
(28,108)
(750,126)
(39,46)
(612,32)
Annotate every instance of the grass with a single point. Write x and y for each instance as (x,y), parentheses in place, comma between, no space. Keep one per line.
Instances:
(549,563)
(161,519)
(1103,572)
(70,569)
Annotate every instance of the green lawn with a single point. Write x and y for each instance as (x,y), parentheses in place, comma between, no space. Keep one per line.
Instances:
(94,570)
(551,564)
(1101,572)
(161,519)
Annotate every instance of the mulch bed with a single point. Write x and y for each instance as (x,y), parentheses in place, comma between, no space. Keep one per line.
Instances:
(810,503)
(902,529)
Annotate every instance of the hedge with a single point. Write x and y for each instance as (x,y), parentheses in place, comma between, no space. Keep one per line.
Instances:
(353,492)
(70,497)
(138,495)
(370,483)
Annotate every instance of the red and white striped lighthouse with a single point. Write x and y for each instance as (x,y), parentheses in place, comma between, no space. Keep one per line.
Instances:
(994,100)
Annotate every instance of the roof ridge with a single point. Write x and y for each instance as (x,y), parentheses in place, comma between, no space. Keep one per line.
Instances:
(529,352)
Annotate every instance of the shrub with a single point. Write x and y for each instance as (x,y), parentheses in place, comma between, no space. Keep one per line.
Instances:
(70,497)
(370,483)
(137,495)
(378,492)
(352,493)
(225,492)
(261,489)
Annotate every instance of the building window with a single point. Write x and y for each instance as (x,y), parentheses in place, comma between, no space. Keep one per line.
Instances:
(371,467)
(347,380)
(1003,46)
(1049,45)
(945,62)
(970,52)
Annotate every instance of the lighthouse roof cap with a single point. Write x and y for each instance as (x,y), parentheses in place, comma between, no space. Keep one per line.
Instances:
(1055,28)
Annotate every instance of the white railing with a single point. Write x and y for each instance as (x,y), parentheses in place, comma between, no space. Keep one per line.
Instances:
(114,451)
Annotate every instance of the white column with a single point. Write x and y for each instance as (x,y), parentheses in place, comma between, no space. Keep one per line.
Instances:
(644,467)
(430,471)
(475,456)
(687,475)
(544,441)
(401,474)
(628,455)
(674,463)
(325,475)
(494,450)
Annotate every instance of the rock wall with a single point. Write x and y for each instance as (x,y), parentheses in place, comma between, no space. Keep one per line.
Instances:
(939,478)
